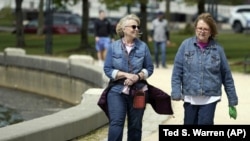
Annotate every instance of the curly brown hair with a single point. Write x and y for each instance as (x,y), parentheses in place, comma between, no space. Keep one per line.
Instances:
(208,18)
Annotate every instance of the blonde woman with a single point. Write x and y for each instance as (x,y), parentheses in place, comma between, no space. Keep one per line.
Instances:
(128,61)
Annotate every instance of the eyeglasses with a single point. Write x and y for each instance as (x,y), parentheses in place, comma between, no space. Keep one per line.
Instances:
(134,27)
(200,29)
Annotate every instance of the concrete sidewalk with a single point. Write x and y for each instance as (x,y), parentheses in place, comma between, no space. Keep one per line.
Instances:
(162,79)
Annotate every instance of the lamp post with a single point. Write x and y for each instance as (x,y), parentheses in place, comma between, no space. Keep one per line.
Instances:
(48,25)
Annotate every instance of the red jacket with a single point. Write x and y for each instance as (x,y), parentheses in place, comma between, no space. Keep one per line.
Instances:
(159,100)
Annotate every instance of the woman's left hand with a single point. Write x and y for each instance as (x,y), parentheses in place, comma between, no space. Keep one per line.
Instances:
(133,77)
(128,82)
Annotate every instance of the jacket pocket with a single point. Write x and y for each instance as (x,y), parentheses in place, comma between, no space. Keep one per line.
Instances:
(189,55)
(117,60)
(214,63)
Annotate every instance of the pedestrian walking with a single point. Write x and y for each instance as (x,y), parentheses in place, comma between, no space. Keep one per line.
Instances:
(200,69)
(128,65)
(103,36)
(161,39)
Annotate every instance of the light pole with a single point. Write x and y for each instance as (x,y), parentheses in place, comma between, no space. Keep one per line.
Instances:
(48,27)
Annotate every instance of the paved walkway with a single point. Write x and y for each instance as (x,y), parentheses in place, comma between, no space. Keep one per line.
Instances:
(161,78)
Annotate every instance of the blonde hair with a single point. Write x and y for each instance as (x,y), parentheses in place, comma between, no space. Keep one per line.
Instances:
(122,23)
(208,18)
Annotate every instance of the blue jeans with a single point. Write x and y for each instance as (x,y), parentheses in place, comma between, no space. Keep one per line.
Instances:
(199,114)
(160,47)
(120,105)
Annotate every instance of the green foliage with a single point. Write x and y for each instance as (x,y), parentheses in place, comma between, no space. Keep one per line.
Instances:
(116,4)
(6,16)
(61,4)
(225,2)
(63,45)
(232,2)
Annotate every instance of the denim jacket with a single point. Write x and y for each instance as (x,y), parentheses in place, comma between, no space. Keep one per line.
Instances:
(139,59)
(202,72)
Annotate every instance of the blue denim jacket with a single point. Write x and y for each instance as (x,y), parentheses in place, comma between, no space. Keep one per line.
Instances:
(198,72)
(139,59)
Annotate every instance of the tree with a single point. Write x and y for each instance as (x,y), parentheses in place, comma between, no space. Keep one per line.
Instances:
(115,4)
(62,3)
(201,6)
(85,19)
(167,10)
(49,23)
(19,24)
(143,10)
(40,18)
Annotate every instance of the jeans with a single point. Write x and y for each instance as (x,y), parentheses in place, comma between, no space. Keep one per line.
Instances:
(120,105)
(160,47)
(199,114)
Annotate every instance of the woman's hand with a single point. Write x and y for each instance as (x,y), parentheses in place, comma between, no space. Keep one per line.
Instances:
(133,77)
(128,82)
(130,77)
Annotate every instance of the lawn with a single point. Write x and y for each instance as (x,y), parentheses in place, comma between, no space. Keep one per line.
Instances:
(236,46)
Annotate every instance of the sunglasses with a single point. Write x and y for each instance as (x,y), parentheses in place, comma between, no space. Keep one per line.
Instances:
(134,26)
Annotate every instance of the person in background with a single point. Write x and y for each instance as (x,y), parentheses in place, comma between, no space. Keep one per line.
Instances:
(103,36)
(128,61)
(160,38)
(200,69)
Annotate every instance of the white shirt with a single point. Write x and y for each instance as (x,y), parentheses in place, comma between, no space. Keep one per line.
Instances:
(201,100)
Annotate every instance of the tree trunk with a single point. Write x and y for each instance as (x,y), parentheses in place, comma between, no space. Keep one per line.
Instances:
(168,10)
(48,30)
(84,28)
(143,9)
(19,24)
(40,18)
(201,6)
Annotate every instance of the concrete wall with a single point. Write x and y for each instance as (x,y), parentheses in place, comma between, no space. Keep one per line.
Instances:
(75,80)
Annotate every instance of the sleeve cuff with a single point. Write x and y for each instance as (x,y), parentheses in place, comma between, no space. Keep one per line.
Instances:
(114,73)
(145,73)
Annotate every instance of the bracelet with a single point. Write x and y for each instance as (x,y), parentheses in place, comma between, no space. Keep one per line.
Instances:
(138,77)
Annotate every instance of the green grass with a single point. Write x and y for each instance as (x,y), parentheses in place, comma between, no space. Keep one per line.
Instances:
(62,45)
(236,46)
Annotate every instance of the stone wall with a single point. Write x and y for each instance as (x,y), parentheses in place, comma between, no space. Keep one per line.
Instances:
(62,78)
(75,80)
